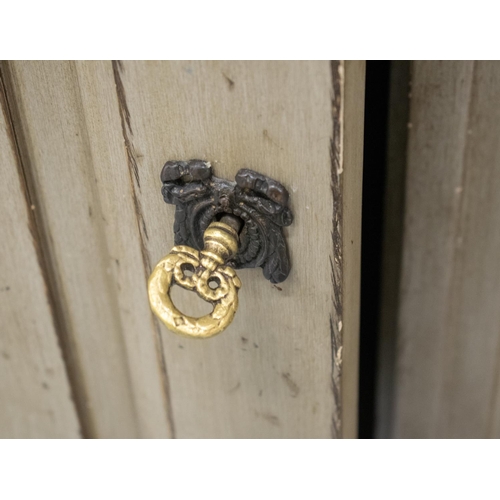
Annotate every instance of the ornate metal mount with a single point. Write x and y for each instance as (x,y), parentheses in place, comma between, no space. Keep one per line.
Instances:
(259,201)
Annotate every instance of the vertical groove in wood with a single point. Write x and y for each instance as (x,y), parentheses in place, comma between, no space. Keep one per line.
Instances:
(37,228)
(31,322)
(474,315)
(107,285)
(257,379)
(126,126)
(446,381)
(449,323)
(55,140)
(116,164)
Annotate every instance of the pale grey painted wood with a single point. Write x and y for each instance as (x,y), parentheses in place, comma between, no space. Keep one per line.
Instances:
(270,374)
(69,175)
(35,396)
(96,136)
(449,326)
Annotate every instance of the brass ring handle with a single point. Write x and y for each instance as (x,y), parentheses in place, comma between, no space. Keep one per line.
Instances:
(208,266)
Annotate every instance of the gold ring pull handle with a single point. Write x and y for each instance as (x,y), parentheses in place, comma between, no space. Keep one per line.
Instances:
(208,265)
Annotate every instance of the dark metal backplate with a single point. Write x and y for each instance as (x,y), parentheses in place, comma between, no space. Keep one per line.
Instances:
(261,202)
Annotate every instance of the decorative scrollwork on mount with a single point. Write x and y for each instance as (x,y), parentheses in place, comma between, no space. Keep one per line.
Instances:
(261,203)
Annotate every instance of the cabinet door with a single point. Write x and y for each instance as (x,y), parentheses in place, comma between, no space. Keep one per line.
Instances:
(447,361)
(91,139)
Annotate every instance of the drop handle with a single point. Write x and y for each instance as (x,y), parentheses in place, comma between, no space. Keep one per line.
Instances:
(208,267)
(220,226)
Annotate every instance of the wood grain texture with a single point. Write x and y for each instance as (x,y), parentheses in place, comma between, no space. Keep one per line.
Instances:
(67,170)
(270,374)
(125,234)
(34,390)
(449,344)
(97,135)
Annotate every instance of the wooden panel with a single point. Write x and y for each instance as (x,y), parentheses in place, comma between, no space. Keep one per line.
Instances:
(34,391)
(96,135)
(270,374)
(450,320)
(119,383)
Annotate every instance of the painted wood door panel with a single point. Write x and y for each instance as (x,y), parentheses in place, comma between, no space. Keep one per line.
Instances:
(85,253)
(448,350)
(96,135)
(35,395)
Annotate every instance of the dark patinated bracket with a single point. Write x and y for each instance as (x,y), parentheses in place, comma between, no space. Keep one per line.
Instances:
(259,201)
